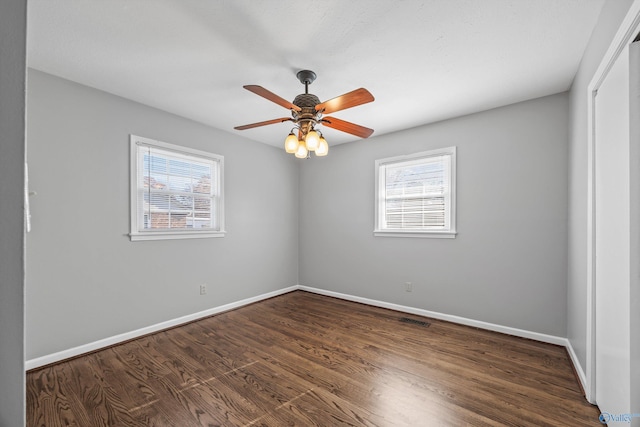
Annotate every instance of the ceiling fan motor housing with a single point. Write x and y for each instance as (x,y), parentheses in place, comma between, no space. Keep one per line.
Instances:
(308,102)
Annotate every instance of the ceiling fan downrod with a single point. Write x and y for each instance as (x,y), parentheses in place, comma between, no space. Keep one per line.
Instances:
(306,77)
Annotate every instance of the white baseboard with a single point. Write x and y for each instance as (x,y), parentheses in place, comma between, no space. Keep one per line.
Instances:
(116,339)
(551,339)
(576,365)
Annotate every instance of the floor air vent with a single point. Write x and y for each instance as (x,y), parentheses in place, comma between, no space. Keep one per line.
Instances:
(414,321)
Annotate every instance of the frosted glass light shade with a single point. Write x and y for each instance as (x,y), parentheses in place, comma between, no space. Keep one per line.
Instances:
(302,152)
(291,143)
(323,147)
(312,140)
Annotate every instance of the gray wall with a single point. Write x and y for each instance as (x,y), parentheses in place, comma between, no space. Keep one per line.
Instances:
(86,279)
(13,22)
(610,19)
(508,263)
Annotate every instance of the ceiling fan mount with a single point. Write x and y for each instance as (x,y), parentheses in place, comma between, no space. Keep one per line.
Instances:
(307,112)
(306,77)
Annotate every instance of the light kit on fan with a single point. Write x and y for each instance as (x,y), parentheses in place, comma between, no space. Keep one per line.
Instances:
(302,147)
(307,113)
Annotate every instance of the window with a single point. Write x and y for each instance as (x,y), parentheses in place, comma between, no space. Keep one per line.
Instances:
(176,192)
(415,195)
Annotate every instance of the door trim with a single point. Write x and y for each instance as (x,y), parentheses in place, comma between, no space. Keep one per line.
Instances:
(624,36)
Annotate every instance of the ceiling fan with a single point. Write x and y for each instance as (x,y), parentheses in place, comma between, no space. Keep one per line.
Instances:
(307,112)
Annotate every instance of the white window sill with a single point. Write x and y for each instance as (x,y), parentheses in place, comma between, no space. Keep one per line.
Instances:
(413,233)
(172,235)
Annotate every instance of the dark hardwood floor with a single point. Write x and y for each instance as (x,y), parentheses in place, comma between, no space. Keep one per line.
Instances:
(302,359)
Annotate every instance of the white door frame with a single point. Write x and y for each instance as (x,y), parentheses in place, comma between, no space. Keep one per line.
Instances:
(626,33)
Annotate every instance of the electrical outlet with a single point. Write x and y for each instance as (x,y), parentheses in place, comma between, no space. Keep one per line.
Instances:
(408,286)
(203,289)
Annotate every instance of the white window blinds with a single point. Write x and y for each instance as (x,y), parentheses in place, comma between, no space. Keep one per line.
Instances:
(176,190)
(415,193)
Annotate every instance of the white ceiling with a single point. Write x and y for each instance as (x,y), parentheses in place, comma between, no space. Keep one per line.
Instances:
(423,60)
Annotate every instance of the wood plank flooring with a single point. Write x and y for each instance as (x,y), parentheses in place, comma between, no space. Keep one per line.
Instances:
(302,359)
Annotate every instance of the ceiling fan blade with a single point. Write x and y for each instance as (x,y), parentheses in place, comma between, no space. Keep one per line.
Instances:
(259,90)
(267,122)
(348,100)
(347,127)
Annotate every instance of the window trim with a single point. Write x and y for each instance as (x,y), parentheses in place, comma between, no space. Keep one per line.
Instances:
(379,198)
(135,233)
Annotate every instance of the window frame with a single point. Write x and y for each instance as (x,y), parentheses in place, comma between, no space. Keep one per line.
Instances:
(137,231)
(380,200)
